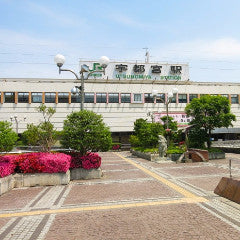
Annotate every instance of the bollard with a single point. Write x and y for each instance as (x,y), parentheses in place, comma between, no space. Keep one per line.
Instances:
(230,167)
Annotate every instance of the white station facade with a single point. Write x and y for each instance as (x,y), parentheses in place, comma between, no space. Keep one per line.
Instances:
(121,96)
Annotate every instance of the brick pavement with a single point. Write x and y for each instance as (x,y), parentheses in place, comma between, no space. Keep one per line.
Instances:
(136,199)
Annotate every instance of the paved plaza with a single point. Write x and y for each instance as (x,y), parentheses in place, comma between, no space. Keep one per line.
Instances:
(135,199)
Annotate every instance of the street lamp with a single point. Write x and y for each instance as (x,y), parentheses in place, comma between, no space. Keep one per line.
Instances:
(150,113)
(17,121)
(60,60)
(168,100)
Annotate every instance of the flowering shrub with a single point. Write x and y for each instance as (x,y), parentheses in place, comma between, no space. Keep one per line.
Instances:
(115,147)
(55,162)
(88,161)
(76,160)
(91,160)
(43,162)
(38,162)
(6,168)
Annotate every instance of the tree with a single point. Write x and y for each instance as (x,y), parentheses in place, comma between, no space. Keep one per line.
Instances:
(210,112)
(8,137)
(31,136)
(171,124)
(196,137)
(138,125)
(146,134)
(44,134)
(85,131)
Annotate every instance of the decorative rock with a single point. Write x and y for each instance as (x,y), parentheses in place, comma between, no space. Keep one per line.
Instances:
(229,188)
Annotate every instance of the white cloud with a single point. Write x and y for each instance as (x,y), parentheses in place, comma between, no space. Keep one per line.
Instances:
(223,48)
(59,18)
(127,21)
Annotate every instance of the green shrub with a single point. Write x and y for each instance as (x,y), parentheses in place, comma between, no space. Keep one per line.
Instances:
(214,150)
(175,149)
(148,134)
(146,150)
(30,136)
(8,137)
(85,131)
(134,141)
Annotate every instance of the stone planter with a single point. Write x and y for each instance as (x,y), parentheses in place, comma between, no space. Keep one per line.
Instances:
(153,157)
(175,156)
(216,155)
(41,179)
(19,180)
(81,173)
(6,184)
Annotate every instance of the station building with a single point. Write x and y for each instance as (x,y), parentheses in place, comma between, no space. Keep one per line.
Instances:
(121,96)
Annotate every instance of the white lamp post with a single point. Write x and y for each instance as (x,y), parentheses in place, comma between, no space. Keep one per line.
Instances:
(60,60)
(17,121)
(169,99)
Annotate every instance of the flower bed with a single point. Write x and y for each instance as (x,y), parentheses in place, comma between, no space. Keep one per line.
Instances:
(33,169)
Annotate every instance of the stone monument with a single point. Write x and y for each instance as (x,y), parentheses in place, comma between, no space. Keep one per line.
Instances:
(162,147)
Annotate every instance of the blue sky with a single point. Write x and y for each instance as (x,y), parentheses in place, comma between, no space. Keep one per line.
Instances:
(204,34)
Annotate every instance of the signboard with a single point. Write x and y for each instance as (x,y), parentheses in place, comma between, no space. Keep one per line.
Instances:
(140,71)
(180,117)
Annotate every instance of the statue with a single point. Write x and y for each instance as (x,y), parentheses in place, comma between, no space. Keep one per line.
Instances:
(162,146)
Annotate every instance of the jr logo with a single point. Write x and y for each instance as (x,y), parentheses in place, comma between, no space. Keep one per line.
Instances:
(96,67)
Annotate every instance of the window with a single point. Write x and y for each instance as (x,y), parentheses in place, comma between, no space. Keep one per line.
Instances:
(9,97)
(192,96)
(23,97)
(101,97)
(160,98)
(75,98)
(50,97)
(36,97)
(182,98)
(113,98)
(148,97)
(173,100)
(234,98)
(137,98)
(224,95)
(125,97)
(89,97)
(63,97)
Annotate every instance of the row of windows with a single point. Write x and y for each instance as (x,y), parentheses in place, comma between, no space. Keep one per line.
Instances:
(64,97)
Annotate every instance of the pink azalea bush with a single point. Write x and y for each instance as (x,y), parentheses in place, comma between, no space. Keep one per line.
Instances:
(76,160)
(116,147)
(43,162)
(88,161)
(6,168)
(91,160)
(38,162)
